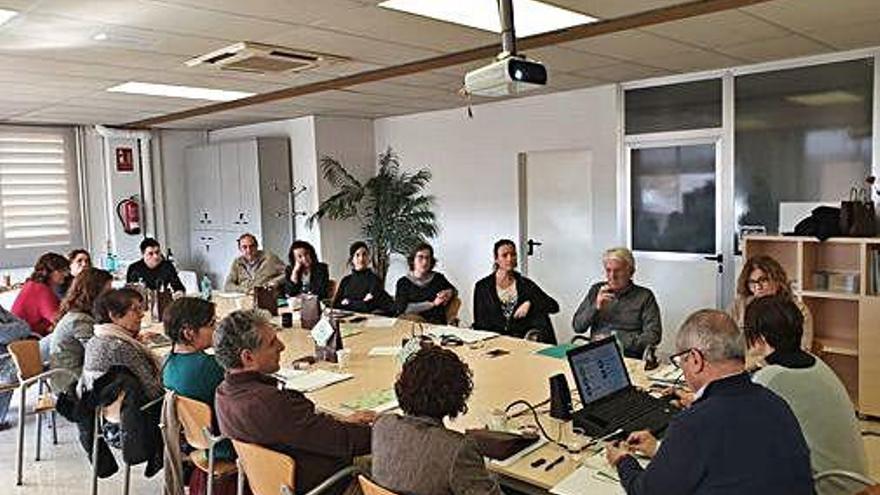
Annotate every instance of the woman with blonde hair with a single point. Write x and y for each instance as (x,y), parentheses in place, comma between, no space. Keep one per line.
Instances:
(763,276)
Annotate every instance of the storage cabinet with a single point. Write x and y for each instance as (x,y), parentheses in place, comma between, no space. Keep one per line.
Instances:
(233,188)
(202,174)
(845,310)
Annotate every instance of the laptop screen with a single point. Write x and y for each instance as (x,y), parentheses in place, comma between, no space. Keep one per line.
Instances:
(598,370)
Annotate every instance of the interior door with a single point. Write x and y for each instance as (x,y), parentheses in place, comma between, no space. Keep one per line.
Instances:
(674,224)
(556,227)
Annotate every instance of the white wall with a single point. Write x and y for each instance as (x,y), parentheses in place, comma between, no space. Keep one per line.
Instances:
(474,162)
(349,141)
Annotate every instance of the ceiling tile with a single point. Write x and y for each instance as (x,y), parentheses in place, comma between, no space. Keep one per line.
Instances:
(623,72)
(402,28)
(850,37)
(607,9)
(637,46)
(565,59)
(775,49)
(694,60)
(816,15)
(731,27)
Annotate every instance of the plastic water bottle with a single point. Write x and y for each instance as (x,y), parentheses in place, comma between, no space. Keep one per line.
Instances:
(206,288)
(110,262)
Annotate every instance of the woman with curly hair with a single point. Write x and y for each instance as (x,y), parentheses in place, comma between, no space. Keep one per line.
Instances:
(416,453)
(75,325)
(763,276)
(37,303)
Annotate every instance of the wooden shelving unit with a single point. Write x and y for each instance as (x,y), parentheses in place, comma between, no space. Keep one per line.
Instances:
(846,324)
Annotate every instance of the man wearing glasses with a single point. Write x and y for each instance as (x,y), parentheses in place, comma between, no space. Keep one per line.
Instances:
(737,437)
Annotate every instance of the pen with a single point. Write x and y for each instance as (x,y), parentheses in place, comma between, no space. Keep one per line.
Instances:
(553,464)
(605,437)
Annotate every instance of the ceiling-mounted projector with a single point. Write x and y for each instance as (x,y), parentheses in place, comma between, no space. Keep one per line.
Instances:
(508,76)
(510,73)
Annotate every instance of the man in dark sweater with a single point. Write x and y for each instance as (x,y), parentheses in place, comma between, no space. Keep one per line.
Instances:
(154,271)
(618,306)
(251,408)
(736,438)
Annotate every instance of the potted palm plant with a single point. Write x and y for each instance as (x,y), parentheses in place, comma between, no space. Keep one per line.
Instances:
(391,207)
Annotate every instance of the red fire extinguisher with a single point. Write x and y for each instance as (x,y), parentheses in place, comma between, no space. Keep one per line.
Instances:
(129,212)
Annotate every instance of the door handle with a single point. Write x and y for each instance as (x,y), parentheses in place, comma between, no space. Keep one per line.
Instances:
(718,258)
(531,246)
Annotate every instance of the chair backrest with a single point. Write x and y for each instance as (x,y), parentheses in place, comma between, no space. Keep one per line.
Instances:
(266,470)
(194,417)
(332,285)
(452,310)
(370,488)
(26,356)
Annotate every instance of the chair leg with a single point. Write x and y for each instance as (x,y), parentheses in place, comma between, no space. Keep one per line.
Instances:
(126,483)
(239,485)
(39,436)
(209,488)
(54,428)
(41,384)
(19,454)
(95,440)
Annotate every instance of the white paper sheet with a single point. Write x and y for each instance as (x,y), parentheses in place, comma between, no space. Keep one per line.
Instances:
(665,374)
(467,335)
(391,350)
(311,380)
(585,480)
(380,322)
(594,477)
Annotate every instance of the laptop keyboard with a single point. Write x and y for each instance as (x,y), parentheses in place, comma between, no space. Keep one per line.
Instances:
(635,411)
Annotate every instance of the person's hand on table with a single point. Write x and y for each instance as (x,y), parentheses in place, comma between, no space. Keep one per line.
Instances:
(522,311)
(362,417)
(642,442)
(615,452)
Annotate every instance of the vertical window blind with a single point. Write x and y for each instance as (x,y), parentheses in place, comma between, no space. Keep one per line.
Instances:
(38,209)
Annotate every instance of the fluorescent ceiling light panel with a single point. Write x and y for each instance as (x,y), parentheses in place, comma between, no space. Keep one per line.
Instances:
(6,15)
(529,16)
(833,97)
(142,88)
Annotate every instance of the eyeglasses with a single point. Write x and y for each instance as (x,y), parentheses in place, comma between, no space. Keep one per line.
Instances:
(678,358)
(753,282)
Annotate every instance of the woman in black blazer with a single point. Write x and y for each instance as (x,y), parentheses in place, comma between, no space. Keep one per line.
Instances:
(305,275)
(362,290)
(511,304)
(423,291)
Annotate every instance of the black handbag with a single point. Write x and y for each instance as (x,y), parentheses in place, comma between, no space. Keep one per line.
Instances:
(857,215)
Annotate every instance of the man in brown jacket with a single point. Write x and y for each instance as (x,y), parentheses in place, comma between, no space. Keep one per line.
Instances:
(253,267)
(251,408)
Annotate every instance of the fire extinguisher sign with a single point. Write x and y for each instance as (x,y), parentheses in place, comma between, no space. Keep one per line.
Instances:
(124,159)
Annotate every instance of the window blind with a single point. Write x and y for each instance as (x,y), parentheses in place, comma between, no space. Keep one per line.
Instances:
(36,209)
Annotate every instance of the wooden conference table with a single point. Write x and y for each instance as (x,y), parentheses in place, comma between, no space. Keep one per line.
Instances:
(498,381)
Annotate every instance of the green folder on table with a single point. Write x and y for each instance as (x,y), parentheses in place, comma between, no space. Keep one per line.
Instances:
(557,351)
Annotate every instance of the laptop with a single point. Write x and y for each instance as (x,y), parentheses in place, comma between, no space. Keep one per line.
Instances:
(609,399)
